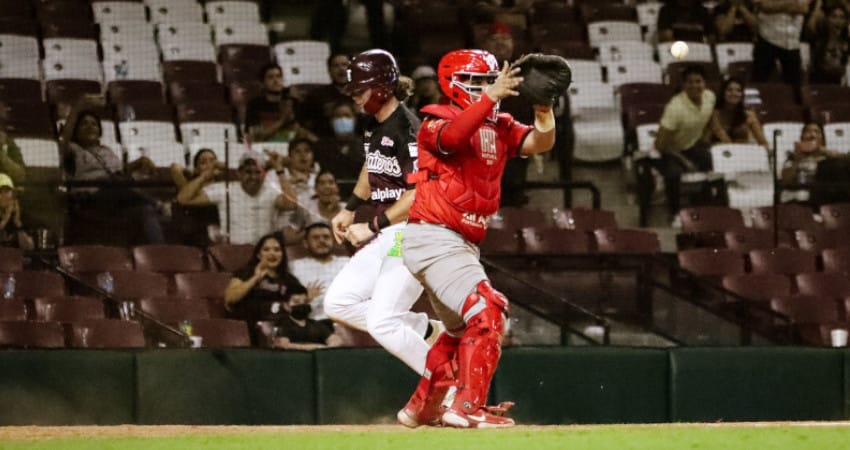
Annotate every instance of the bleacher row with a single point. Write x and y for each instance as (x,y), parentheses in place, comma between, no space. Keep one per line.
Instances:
(805,277)
(173,81)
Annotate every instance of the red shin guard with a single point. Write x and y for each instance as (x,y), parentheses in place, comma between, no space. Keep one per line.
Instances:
(424,406)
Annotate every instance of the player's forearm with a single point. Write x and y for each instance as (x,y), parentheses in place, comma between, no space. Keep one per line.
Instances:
(399,210)
(456,134)
(542,137)
(361,188)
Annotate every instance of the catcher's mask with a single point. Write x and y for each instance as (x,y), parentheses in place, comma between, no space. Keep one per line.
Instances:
(373,69)
(464,74)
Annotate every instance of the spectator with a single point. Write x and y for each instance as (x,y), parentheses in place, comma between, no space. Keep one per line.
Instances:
(426,89)
(731,122)
(319,267)
(301,169)
(802,163)
(259,290)
(680,134)
(685,20)
(11,160)
(734,21)
(87,159)
(251,205)
(12,233)
(826,31)
(297,331)
(271,115)
(780,23)
(342,153)
(325,204)
(500,42)
(192,222)
(318,106)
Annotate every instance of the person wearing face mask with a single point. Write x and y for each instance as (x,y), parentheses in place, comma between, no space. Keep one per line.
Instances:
(297,331)
(317,109)
(260,290)
(342,152)
(270,117)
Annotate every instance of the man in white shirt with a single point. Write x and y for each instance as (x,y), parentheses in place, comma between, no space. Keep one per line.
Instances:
(252,203)
(780,23)
(317,270)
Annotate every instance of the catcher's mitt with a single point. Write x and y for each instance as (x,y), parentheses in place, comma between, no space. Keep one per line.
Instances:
(544,77)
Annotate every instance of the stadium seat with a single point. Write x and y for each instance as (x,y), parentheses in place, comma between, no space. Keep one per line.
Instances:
(35,283)
(208,132)
(162,154)
(65,310)
(130,284)
(783,260)
(515,218)
(550,37)
(18,27)
(758,287)
(134,91)
(603,11)
(106,334)
(500,241)
(65,67)
(218,333)
(135,53)
(620,240)
(586,71)
(209,111)
(250,33)
(27,68)
(829,113)
(775,94)
(836,260)
(552,12)
(824,94)
(711,262)
(614,51)
(597,126)
(13,309)
(791,217)
(698,52)
(783,135)
(174,310)
(836,216)
(818,239)
(571,50)
(183,33)
(134,67)
(584,219)
(20,90)
(171,11)
(606,31)
(744,240)
(31,335)
(94,258)
(192,91)
(191,51)
(837,135)
(16,47)
(191,70)
(731,52)
(70,48)
(68,91)
(16,9)
(209,285)
(11,259)
(111,11)
(124,32)
(620,73)
(551,241)
(28,119)
(244,52)
(746,169)
(219,11)
(832,285)
(647,17)
(230,257)
(168,258)
(710,218)
(805,309)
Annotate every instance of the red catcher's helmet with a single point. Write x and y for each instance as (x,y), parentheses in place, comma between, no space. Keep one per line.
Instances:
(459,67)
(374,69)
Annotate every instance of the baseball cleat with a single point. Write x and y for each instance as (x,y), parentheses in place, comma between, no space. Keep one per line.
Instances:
(481,418)
(411,419)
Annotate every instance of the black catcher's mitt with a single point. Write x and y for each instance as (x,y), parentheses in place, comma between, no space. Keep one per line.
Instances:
(545,77)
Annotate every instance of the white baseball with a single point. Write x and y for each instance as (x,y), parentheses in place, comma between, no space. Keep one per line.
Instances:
(679,50)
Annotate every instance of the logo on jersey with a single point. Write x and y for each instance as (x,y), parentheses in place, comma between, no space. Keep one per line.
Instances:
(475,220)
(387,142)
(379,195)
(378,163)
(413,149)
(487,139)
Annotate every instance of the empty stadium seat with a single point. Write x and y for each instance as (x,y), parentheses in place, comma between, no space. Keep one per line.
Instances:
(111,11)
(711,262)
(710,218)
(791,217)
(173,11)
(124,32)
(818,239)
(837,135)
(191,70)
(758,287)
(619,73)
(20,90)
(106,334)
(731,52)
(218,333)
(551,241)
(606,31)
(827,113)
(230,257)
(782,260)
(210,285)
(830,285)
(174,310)
(744,240)
(622,51)
(13,309)
(31,335)
(35,283)
(836,260)
(69,91)
(134,91)
(94,258)
(515,218)
(806,309)
(226,33)
(232,11)
(168,258)
(584,219)
(824,94)
(131,284)
(73,309)
(500,241)
(11,259)
(836,216)
(620,240)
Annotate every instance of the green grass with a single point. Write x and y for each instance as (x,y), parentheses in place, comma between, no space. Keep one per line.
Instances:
(657,437)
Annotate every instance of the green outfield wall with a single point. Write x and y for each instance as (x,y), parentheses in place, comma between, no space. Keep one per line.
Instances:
(551,385)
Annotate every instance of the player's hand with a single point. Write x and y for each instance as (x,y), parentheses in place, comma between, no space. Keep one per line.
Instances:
(340,224)
(505,83)
(359,233)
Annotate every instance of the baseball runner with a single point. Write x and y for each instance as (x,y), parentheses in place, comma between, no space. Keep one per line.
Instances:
(463,150)
(374,291)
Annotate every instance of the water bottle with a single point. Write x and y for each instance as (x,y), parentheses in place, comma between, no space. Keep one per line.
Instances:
(9,287)
(106,282)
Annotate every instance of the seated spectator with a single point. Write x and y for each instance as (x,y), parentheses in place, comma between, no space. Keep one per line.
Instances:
(87,159)
(270,117)
(318,106)
(301,169)
(192,222)
(343,152)
(680,134)
(325,204)
(426,89)
(319,267)
(297,331)
(734,21)
(259,290)
(731,122)
(11,160)
(826,32)
(252,204)
(685,20)
(12,233)
(780,23)
(802,164)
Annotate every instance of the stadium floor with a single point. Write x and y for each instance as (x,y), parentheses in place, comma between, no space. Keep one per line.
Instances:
(727,436)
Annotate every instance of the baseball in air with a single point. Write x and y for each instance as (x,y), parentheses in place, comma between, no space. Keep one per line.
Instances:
(679,50)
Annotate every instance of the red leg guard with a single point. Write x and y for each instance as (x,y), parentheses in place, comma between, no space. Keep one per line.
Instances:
(423,408)
(480,347)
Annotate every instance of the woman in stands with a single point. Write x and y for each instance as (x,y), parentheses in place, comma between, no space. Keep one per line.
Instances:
(802,163)
(192,222)
(731,122)
(259,290)
(827,34)
(86,158)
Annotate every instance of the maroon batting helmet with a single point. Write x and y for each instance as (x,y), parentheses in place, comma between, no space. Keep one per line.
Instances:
(373,69)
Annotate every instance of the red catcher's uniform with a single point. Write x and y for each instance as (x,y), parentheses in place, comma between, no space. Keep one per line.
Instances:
(460,188)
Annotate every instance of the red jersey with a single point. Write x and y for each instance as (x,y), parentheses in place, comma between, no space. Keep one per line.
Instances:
(460,187)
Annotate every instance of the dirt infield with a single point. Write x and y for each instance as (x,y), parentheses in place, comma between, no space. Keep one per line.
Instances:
(50,432)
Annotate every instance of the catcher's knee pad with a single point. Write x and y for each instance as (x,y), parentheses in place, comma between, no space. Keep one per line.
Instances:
(485,312)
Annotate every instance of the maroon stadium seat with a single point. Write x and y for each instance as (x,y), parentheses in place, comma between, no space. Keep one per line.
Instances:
(35,283)
(230,257)
(67,309)
(69,10)
(584,219)
(196,92)
(836,260)
(620,240)
(16,9)
(135,284)
(500,241)
(11,259)
(819,239)
(779,94)
(94,258)
(222,332)
(819,284)
(20,90)
(31,335)
(824,114)
(791,217)
(244,52)
(168,258)
(105,334)
(824,94)
(68,91)
(190,70)
(787,261)
(711,218)
(174,310)
(53,27)
(13,309)
(780,113)
(214,111)
(836,216)
(551,241)
(516,218)
(134,91)
(744,240)
(710,262)
(758,287)
(806,309)
(202,284)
